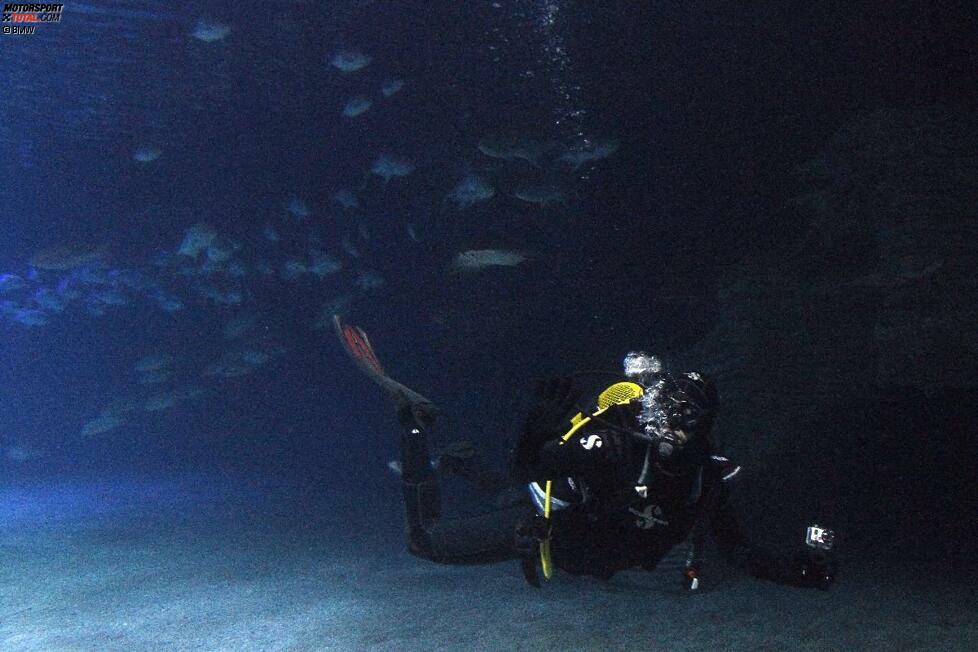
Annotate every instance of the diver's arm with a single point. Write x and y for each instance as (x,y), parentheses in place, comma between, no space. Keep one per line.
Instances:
(422,499)
(808,569)
(589,449)
(598,446)
(548,419)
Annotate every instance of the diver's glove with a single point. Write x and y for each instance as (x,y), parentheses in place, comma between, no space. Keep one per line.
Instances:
(553,401)
(814,569)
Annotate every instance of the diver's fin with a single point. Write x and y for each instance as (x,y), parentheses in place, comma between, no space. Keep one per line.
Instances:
(357,345)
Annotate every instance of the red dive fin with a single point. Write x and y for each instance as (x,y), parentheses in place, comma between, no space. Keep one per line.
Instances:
(357,345)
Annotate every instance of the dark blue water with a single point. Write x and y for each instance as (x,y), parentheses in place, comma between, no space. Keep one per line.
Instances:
(714,108)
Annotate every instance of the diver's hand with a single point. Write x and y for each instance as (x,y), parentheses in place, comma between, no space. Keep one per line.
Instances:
(814,569)
(553,400)
(547,419)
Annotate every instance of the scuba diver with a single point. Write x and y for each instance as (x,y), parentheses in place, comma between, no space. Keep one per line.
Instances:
(610,489)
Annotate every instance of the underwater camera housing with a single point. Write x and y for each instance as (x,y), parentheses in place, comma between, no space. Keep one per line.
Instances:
(819,538)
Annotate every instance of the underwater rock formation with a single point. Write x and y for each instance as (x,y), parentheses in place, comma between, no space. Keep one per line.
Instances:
(844,349)
(908,182)
(878,289)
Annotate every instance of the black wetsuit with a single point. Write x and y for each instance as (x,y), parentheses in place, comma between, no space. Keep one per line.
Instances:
(608,524)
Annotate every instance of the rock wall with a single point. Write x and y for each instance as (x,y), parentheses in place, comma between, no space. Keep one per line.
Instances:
(869,310)
(910,179)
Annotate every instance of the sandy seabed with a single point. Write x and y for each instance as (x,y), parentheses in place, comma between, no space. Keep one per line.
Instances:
(192,563)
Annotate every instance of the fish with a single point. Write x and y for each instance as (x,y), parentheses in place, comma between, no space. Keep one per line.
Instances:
(109,297)
(387,166)
(322,264)
(11,283)
(412,232)
(224,298)
(196,239)
(357,106)
(147,154)
(154,362)
(168,303)
(512,148)
(122,406)
(210,31)
(169,399)
(239,326)
(236,269)
(69,288)
(471,190)
(292,269)
(188,393)
(161,402)
(588,150)
(100,425)
(255,358)
(901,277)
(474,259)
(368,280)
(348,246)
(350,60)
(346,198)
(68,257)
(220,250)
(263,356)
(264,268)
(391,86)
(29,317)
(234,364)
(227,370)
(128,278)
(298,208)
(50,300)
(90,277)
(153,377)
(21,453)
(541,195)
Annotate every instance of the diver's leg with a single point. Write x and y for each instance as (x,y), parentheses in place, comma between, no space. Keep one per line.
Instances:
(419,486)
(483,539)
(814,569)
(477,540)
